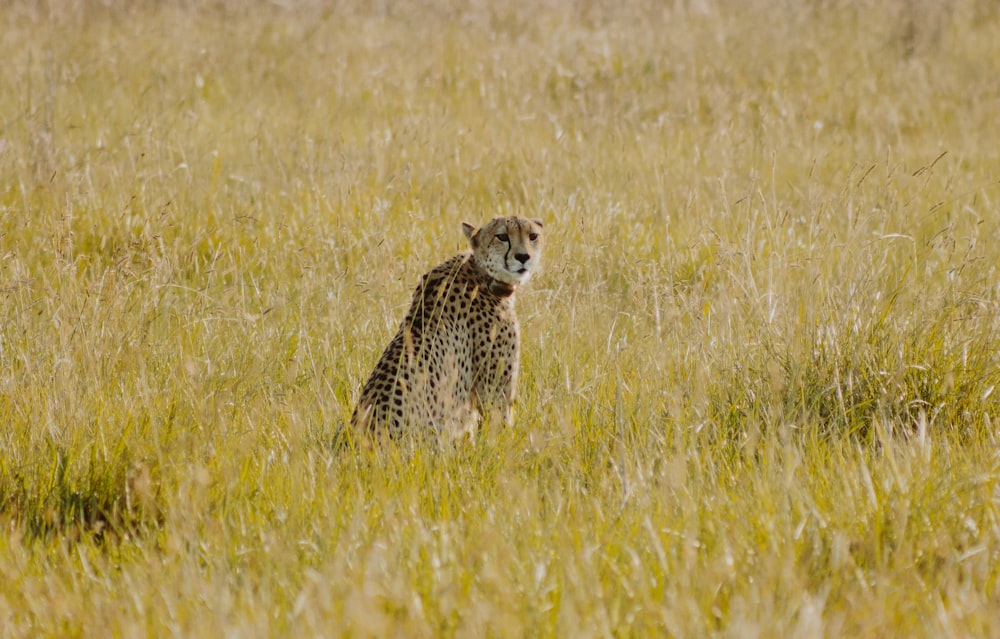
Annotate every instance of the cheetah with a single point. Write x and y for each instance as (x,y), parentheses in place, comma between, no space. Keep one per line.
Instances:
(454,360)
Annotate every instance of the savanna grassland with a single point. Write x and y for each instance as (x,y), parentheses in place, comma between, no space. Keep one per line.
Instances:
(758,391)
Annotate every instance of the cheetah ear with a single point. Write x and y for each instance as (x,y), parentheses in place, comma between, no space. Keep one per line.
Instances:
(471,232)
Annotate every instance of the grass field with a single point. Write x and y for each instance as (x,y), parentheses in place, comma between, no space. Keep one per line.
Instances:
(758,383)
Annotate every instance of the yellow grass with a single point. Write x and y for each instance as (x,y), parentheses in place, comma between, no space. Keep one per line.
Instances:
(759,367)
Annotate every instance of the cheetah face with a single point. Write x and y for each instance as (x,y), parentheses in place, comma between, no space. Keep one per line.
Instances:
(507,248)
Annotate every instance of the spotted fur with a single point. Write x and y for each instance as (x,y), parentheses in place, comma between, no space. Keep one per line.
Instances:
(454,359)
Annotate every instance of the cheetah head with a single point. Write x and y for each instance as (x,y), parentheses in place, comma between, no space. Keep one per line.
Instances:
(508,249)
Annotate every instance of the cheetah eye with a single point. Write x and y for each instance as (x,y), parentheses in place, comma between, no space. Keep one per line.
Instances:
(532,236)
(502,237)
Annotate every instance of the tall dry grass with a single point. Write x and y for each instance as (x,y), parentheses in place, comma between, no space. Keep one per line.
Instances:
(758,381)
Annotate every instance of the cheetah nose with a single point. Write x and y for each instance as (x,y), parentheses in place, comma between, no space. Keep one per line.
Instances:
(522,257)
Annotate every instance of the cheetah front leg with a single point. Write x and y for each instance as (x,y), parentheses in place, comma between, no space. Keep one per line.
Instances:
(508,415)
(501,414)
(494,383)
(494,395)
(498,411)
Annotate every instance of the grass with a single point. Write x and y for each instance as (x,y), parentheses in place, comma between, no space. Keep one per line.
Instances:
(758,390)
